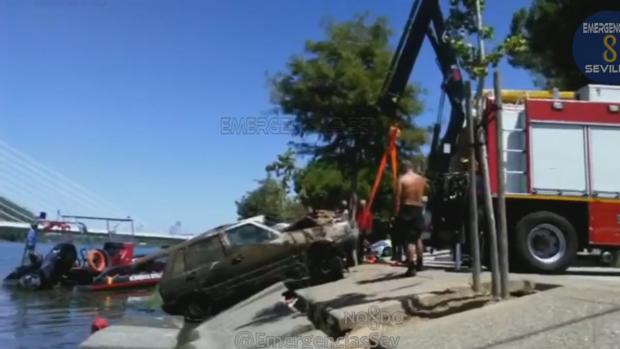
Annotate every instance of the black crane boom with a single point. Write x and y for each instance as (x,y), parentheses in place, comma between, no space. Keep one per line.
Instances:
(426,20)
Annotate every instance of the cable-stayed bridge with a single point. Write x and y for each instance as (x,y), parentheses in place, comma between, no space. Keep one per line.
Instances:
(27,188)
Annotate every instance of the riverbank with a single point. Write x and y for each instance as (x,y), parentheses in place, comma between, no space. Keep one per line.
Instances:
(373,304)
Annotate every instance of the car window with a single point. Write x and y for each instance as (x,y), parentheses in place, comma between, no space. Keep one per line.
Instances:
(248,234)
(178,263)
(204,251)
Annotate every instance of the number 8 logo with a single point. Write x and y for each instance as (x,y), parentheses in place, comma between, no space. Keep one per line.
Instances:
(610,55)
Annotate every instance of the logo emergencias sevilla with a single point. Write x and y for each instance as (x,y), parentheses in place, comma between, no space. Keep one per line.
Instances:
(596,45)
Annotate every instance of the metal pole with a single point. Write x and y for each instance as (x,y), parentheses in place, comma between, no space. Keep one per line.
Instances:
(474,243)
(501,189)
(489,213)
(481,55)
(484,165)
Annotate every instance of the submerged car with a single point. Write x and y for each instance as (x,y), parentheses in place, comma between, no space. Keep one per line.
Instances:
(231,262)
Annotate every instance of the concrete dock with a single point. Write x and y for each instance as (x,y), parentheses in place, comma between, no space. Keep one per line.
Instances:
(374,305)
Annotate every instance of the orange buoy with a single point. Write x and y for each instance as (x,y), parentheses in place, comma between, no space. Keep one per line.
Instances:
(96,261)
(98,324)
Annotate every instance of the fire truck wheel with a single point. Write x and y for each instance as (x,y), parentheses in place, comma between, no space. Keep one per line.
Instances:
(546,241)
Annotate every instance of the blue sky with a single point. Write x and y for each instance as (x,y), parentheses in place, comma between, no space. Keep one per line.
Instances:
(125,97)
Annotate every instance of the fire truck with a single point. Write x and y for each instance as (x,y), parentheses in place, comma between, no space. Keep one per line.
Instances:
(562,173)
(562,167)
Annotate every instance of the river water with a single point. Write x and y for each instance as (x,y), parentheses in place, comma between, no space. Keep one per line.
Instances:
(60,318)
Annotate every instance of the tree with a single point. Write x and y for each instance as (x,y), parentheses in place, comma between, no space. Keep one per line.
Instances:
(464,22)
(269,199)
(548,27)
(331,92)
(284,168)
(321,185)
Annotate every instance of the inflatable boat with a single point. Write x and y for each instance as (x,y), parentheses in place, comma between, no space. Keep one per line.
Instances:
(110,268)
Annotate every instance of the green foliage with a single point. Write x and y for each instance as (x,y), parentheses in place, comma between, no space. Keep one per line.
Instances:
(321,184)
(548,27)
(269,199)
(284,168)
(331,92)
(461,26)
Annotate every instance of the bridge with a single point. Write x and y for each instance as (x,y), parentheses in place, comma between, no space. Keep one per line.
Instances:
(27,186)
(142,236)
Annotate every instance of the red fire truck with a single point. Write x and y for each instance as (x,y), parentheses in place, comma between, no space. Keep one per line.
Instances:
(561,156)
(562,173)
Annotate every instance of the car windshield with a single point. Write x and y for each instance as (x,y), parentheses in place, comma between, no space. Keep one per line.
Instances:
(248,234)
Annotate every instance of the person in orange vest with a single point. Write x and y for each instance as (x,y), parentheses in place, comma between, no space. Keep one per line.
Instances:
(364,225)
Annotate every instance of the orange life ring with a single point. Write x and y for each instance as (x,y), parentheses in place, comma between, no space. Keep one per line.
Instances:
(96,261)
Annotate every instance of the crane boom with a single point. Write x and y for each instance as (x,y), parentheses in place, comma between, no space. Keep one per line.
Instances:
(426,20)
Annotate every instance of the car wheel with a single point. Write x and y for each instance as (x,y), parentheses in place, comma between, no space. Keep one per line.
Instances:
(387,251)
(546,241)
(197,310)
(326,268)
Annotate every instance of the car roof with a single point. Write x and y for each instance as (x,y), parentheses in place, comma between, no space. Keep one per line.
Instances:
(223,228)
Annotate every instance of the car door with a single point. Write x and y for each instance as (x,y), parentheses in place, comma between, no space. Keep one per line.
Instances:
(172,285)
(255,255)
(205,259)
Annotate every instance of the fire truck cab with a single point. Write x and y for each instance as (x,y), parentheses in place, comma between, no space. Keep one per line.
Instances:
(562,173)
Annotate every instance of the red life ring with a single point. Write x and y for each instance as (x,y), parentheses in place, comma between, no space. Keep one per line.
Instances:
(96,261)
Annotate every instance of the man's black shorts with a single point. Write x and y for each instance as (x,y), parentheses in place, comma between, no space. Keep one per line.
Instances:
(410,223)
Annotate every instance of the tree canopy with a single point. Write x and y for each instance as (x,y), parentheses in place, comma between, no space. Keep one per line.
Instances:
(548,27)
(331,91)
(284,168)
(269,199)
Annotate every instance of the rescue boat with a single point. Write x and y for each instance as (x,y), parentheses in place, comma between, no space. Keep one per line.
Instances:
(112,267)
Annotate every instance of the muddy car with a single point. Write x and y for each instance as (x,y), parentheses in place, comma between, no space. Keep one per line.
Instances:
(232,262)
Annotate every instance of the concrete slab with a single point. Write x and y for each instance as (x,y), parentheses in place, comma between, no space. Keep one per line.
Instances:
(375,296)
(259,321)
(562,317)
(134,337)
(584,313)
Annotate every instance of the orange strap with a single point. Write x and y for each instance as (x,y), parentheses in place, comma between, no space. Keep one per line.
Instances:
(393,154)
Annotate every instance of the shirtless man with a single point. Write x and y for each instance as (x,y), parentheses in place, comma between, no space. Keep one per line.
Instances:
(409,214)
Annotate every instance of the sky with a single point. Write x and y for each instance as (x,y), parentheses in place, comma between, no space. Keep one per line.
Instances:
(127,97)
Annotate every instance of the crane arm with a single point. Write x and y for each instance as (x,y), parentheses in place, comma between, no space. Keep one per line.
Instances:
(426,20)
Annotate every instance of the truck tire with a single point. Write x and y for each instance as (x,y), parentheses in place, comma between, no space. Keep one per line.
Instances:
(197,309)
(546,242)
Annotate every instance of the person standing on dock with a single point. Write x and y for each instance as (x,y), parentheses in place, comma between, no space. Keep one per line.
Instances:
(409,215)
